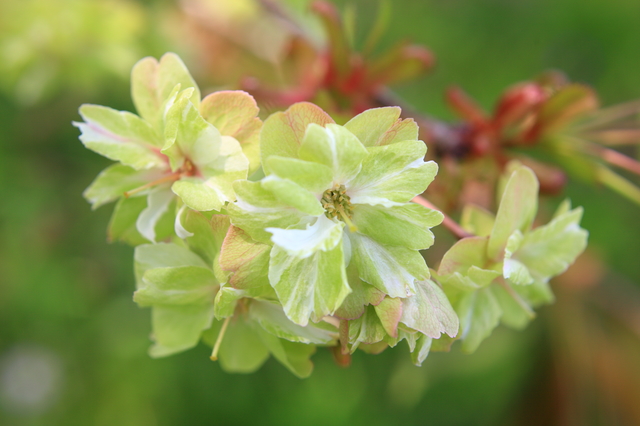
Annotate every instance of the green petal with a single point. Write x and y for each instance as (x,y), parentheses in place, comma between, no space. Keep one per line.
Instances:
(362,294)
(120,136)
(313,177)
(335,147)
(157,205)
(517,209)
(257,209)
(292,194)
(548,250)
(479,313)
(404,225)
(282,132)
(151,256)
(392,174)
(367,329)
(198,195)
(324,234)
(248,261)
(178,328)
(182,285)
(311,287)
(429,311)
(381,126)
(458,265)
(208,234)
(389,312)
(272,318)
(114,181)
(294,356)
(235,113)
(241,349)
(476,220)
(391,269)
(152,83)
(422,349)
(190,137)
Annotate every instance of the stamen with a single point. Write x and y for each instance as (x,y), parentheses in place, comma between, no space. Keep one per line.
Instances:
(337,205)
(169,178)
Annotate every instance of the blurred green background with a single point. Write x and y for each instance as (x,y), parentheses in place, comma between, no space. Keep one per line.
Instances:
(73,344)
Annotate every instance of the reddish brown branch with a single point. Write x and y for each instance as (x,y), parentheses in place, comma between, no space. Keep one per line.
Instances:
(448,223)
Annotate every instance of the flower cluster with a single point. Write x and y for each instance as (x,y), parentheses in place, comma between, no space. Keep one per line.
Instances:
(270,239)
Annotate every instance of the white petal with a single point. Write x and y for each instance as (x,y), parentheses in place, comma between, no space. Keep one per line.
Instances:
(323,235)
(157,205)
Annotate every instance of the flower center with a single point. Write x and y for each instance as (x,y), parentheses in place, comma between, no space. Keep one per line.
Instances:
(336,202)
(337,205)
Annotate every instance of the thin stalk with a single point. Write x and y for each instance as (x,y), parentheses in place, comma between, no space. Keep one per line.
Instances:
(216,347)
(448,223)
(169,178)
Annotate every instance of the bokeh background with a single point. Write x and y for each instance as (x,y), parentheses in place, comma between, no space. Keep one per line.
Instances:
(73,345)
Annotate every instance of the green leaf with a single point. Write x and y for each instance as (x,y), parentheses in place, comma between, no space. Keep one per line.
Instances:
(152,83)
(178,327)
(429,311)
(272,318)
(335,147)
(372,126)
(323,234)
(120,136)
(257,209)
(391,269)
(404,225)
(517,210)
(311,287)
(479,313)
(293,195)
(114,181)
(235,113)
(313,177)
(182,285)
(283,132)
(392,174)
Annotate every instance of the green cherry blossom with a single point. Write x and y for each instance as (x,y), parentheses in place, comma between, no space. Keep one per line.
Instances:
(178,146)
(329,202)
